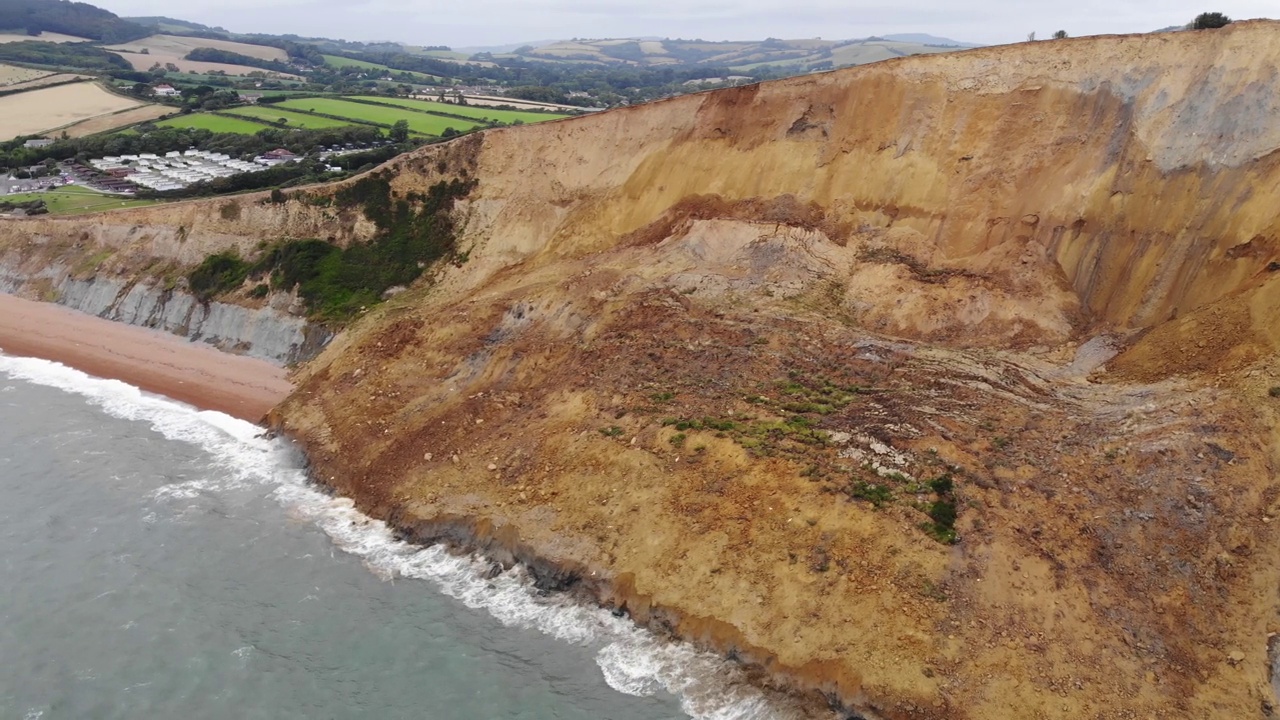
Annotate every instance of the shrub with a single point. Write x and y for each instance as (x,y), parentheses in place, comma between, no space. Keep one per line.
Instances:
(943,525)
(218,273)
(877,495)
(1210,21)
(1274,392)
(335,282)
(943,513)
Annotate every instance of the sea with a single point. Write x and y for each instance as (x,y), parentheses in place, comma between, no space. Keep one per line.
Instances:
(158,561)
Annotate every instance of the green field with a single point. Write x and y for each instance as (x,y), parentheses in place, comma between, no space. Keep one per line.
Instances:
(471,111)
(216,123)
(73,200)
(341,62)
(295,119)
(418,122)
(442,54)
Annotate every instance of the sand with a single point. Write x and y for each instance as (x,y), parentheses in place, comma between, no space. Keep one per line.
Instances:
(152,360)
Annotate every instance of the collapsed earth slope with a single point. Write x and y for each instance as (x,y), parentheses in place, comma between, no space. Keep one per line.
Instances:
(937,386)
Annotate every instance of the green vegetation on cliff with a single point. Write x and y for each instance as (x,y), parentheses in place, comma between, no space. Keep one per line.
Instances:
(336,283)
(1210,21)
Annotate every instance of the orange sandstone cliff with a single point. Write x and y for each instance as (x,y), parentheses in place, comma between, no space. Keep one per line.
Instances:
(939,386)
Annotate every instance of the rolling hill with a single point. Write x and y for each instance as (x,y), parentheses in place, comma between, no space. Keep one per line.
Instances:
(67,18)
(163,24)
(785,55)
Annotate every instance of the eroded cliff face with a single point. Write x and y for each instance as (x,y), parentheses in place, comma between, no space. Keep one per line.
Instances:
(745,363)
(729,350)
(1120,180)
(131,267)
(274,330)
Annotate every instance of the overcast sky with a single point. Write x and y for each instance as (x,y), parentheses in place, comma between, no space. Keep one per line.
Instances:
(463,23)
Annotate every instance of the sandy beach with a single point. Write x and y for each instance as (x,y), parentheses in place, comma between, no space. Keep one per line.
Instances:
(152,360)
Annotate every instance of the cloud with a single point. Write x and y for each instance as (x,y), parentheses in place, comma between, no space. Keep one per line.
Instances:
(480,22)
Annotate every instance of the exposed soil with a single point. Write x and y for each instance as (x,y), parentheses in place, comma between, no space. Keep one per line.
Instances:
(941,387)
(719,456)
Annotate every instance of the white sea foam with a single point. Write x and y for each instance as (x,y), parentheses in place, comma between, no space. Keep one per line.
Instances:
(632,660)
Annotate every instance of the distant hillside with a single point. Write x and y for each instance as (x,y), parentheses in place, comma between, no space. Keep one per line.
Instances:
(926,39)
(782,55)
(174,26)
(68,18)
(509,47)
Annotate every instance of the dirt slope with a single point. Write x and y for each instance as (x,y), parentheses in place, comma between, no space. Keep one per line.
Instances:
(741,362)
(660,303)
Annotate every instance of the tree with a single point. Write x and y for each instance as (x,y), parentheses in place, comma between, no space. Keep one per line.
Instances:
(1031,37)
(1210,20)
(400,131)
(1060,35)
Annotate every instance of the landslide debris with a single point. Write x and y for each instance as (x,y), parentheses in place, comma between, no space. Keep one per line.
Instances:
(938,386)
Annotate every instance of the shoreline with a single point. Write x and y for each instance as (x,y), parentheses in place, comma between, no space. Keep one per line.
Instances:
(249,389)
(816,690)
(155,361)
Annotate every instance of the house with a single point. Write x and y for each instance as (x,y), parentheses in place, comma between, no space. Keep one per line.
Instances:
(37,143)
(279,154)
(250,98)
(165,91)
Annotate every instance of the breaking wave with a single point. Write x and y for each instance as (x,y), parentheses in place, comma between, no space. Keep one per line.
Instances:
(632,660)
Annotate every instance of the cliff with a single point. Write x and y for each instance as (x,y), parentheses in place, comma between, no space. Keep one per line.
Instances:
(939,386)
(131,266)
